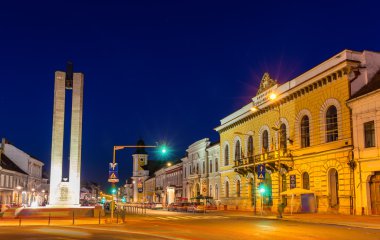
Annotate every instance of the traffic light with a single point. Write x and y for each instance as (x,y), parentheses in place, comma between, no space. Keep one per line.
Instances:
(113,190)
(262,188)
(103,200)
(163,149)
(123,200)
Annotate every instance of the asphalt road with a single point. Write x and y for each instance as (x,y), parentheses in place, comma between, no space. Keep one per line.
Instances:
(195,226)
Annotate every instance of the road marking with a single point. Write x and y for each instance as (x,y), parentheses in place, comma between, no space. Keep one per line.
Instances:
(127,231)
(190,218)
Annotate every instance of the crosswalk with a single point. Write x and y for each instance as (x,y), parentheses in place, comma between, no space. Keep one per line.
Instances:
(176,218)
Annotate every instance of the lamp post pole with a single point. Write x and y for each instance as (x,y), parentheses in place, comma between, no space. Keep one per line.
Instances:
(273,97)
(114,161)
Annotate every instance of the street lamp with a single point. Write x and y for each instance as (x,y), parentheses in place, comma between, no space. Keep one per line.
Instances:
(273,96)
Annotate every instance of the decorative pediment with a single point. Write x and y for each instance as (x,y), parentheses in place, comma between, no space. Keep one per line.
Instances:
(266,83)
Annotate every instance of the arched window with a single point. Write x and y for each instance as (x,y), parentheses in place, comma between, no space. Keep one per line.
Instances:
(237,151)
(305,181)
(210,166)
(226,155)
(265,142)
(284,183)
(204,167)
(210,190)
(216,192)
(216,165)
(331,124)
(250,149)
(305,132)
(283,137)
(227,190)
(238,188)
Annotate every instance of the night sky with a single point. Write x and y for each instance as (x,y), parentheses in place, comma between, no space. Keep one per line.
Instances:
(166,71)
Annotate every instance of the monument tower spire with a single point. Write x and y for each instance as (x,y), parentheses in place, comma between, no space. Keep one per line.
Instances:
(66,193)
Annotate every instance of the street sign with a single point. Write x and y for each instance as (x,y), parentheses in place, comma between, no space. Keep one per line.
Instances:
(292,181)
(113,167)
(113,175)
(261,171)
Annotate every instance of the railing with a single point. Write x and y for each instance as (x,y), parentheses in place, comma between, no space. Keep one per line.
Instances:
(263,157)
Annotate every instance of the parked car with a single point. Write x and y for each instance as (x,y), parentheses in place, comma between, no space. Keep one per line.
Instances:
(157,206)
(173,206)
(211,207)
(182,207)
(195,207)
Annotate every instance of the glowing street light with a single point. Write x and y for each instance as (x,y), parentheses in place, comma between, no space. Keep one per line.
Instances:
(272,96)
(254,109)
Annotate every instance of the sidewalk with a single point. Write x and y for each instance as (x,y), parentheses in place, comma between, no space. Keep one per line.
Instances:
(371,222)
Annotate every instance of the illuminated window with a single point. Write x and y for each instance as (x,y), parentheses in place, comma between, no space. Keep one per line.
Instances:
(369,134)
(305,181)
(265,142)
(226,155)
(283,136)
(305,132)
(250,149)
(331,124)
(284,183)
(237,151)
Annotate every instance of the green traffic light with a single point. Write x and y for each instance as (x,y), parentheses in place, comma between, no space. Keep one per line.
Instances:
(113,190)
(163,149)
(262,188)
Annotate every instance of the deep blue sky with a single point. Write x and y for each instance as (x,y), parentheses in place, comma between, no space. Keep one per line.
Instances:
(161,70)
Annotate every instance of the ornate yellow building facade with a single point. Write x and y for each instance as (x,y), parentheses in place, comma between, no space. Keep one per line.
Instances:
(301,133)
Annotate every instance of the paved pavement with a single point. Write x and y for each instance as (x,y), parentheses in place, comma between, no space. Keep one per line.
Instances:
(190,226)
(211,225)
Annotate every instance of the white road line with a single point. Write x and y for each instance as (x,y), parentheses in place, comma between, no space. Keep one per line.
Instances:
(191,218)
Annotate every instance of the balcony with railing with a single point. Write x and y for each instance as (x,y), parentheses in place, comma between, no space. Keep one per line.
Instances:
(270,158)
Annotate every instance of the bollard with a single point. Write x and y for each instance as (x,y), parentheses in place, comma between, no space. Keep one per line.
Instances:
(19,221)
(99,217)
(73,217)
(49,220)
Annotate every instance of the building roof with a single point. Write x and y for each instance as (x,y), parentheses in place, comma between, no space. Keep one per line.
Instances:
(6,163)
(154,165)
(373,85)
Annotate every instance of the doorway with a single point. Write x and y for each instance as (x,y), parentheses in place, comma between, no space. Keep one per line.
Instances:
(374,186)
(333,188)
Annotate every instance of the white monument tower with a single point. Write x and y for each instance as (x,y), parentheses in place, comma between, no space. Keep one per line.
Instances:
(65,192)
